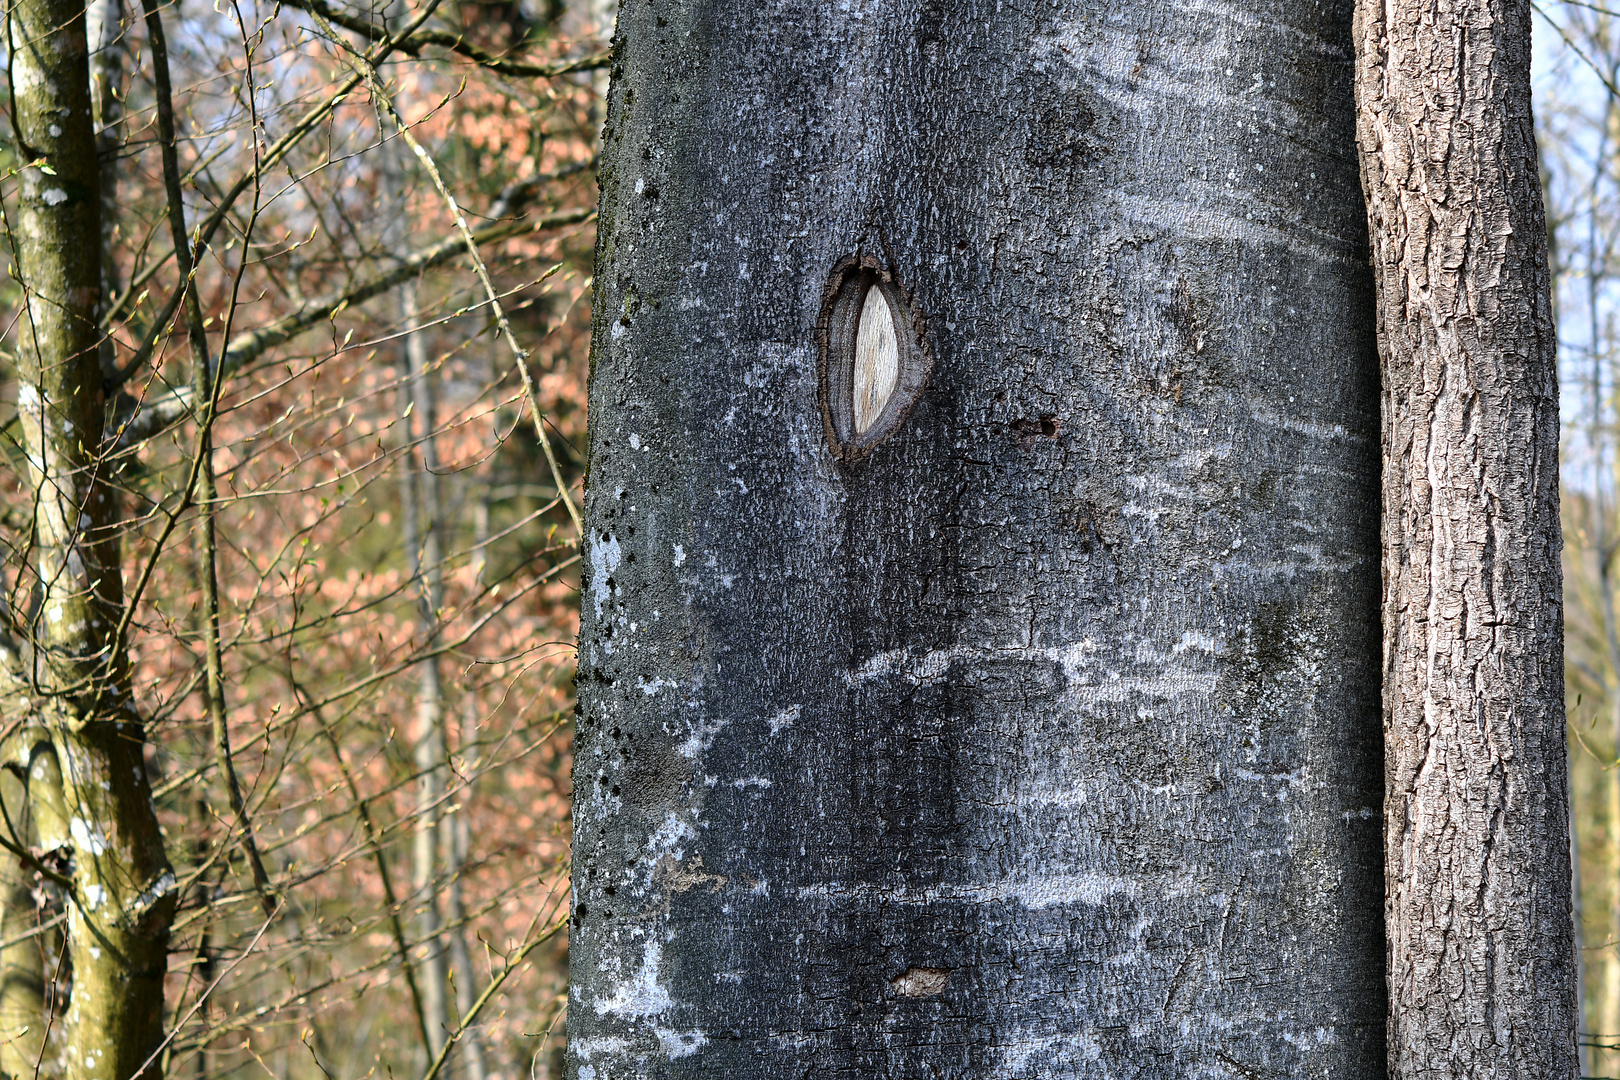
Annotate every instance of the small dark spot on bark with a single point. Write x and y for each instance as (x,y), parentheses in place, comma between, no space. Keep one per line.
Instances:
(1028,430)
(653,780)
(1087,521)
(1064,132)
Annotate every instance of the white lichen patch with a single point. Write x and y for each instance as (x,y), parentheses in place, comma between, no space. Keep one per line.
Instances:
(679,1044)
(586,1048)
(605,556)
(701,737)
(641,995)
(160,888)
(87,839)
(53,196)
(1194,639)
(667,838)
(785,718)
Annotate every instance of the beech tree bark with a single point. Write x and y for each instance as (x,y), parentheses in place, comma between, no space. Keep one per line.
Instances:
(1035,732)
(1481,956)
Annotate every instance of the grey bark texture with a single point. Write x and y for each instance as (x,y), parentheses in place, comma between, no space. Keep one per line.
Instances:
(1482,970)
(1042,741)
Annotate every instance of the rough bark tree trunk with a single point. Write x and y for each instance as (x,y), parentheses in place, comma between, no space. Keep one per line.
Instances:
(74,679)
(1481,965)
(1039,736)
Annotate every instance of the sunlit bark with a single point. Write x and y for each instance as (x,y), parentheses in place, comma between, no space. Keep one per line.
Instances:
(1477,909)
(120,891)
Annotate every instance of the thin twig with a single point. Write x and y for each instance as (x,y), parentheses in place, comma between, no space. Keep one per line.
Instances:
(412,46)
(519,353)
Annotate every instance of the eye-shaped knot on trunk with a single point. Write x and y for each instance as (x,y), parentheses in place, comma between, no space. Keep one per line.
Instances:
(874,358)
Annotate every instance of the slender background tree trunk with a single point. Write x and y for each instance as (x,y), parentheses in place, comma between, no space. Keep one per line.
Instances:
(423,555)
(1482,972)
(1044,740)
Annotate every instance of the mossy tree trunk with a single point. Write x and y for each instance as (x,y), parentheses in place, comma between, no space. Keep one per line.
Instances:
(81,742)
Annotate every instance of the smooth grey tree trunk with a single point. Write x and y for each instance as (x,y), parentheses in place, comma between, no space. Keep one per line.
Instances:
(1481,951)
(1042,738)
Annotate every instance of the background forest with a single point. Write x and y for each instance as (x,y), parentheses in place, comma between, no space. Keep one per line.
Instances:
(351,583)
(1578,113)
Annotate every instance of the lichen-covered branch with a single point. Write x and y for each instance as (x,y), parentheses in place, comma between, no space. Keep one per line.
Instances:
(122,892)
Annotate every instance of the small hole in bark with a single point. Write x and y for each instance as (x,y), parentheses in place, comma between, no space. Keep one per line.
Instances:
(874,358)
(1047,427)
(921,982)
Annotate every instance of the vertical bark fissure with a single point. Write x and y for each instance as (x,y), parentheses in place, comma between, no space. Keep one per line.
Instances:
(22,964)
(1478,910)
